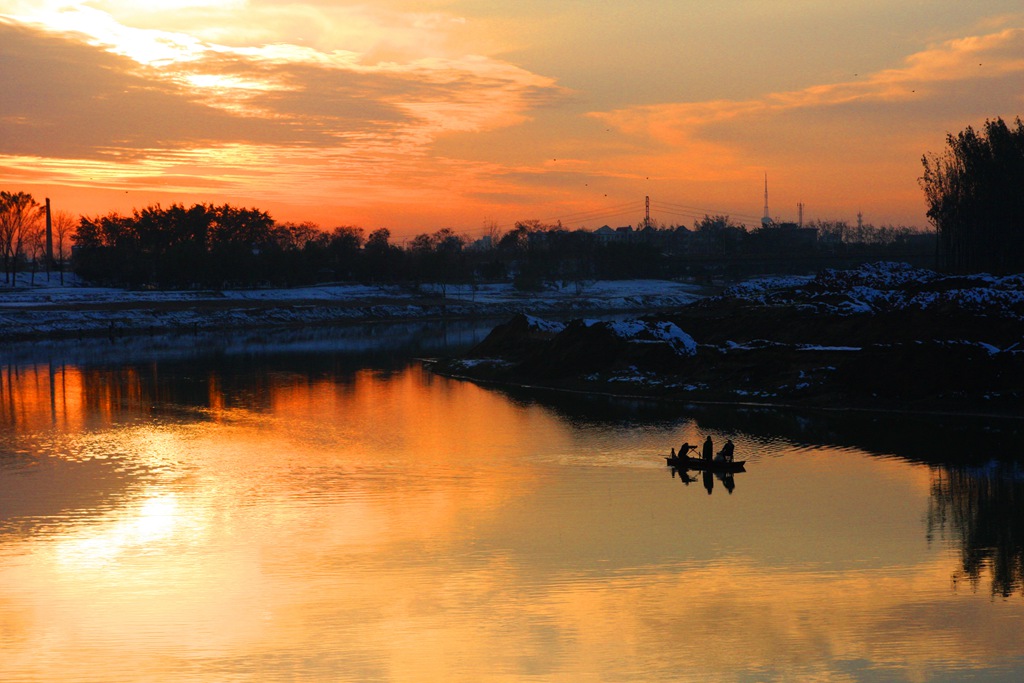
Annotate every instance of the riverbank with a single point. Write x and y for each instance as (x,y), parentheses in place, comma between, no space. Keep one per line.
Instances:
(47,310)
(883,337)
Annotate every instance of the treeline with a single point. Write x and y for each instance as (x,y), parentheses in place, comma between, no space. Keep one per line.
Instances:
(975,196)
(221,246)
(226,246)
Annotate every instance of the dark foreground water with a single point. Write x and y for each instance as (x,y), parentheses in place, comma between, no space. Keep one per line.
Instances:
(321,509)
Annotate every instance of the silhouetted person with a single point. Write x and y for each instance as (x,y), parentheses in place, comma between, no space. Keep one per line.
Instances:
(673,454)
(685,449)
(727,450)
(709,449)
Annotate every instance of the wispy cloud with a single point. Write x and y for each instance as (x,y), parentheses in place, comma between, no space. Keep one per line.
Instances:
(929,77)
(141,100)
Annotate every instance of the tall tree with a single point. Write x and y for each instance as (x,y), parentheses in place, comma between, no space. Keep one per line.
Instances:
(19,214)
(975,196)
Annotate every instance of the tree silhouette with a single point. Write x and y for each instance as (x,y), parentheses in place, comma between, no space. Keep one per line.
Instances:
(19,215)
(975,196)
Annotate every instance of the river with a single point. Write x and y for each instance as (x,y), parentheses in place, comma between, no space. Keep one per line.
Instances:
(320,507)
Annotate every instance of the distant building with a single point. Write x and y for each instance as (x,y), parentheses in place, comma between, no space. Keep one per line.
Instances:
(485,243)
(787,236)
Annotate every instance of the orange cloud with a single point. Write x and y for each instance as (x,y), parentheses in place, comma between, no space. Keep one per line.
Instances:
(163,114)
(981,57)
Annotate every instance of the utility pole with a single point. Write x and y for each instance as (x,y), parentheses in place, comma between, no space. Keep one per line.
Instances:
(647,212)
(800,209)
(49,236)
(49,241)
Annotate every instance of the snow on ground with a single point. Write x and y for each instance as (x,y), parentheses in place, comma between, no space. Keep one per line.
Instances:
(44,292)
(887,286)
(41,306)
(541,325)
(642,331)
(608,294)
(46,308)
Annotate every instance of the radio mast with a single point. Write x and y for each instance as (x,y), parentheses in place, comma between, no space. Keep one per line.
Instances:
(766,219)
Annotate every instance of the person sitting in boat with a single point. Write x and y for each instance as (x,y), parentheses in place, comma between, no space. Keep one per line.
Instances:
(709,449)
(725,455)
(685,449)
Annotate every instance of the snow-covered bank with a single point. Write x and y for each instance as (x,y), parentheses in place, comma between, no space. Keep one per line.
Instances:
(406,339)
(887,287)
(46,309)
(882,337)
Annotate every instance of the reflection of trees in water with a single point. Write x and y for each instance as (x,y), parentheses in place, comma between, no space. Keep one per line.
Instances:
(982,509)
(136,376)
(985,508)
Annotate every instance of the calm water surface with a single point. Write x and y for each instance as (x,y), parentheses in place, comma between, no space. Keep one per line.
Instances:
(325,515)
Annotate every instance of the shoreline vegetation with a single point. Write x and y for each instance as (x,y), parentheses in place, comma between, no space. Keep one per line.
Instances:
(883,337)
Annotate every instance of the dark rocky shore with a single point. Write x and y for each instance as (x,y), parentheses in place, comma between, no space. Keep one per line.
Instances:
(883,337)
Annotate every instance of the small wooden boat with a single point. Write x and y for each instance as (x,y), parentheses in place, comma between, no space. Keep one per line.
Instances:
(688,463)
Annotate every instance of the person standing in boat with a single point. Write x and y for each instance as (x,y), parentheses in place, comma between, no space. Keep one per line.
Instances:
(709,449)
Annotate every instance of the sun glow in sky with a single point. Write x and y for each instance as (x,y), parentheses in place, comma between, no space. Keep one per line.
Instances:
(450,113)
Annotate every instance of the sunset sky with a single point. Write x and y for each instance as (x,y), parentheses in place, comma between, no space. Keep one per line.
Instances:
(449,113)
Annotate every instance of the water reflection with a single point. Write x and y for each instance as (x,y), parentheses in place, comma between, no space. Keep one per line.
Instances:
(707,477)
(323,516)
(983,510)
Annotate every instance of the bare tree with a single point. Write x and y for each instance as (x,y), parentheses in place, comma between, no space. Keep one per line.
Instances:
(493,233)
(35,247)
(19,213)
(63,225)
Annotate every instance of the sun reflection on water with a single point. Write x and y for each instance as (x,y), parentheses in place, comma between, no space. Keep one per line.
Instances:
(140,529)
(397,526)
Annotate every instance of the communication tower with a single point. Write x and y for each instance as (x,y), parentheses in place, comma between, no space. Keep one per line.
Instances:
(766,219)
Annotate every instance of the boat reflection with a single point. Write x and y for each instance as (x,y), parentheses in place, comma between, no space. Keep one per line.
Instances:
(722,471)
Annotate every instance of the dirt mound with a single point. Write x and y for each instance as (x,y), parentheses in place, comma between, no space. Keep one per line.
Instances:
(517,339)
(883,336)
